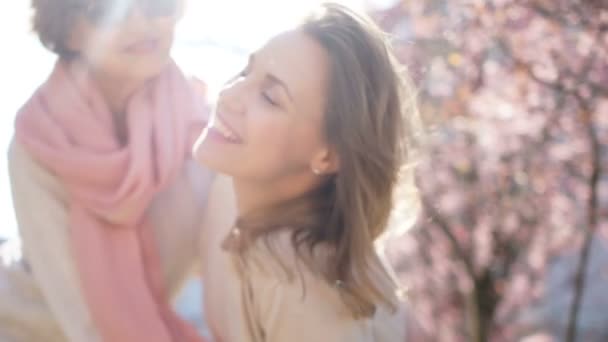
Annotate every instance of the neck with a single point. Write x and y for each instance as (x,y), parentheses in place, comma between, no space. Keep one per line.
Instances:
(252,196)
(116,91)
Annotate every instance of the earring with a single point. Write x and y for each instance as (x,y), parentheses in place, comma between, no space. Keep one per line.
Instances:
(316,171)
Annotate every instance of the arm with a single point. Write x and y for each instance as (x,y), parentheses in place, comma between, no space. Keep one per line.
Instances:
(43,226)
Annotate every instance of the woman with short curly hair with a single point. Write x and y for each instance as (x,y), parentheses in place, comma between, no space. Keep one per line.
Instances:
(107,198)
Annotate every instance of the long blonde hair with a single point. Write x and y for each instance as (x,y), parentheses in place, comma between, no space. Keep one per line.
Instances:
(370,121)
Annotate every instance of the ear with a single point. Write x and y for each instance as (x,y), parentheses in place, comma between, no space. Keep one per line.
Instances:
(325,162)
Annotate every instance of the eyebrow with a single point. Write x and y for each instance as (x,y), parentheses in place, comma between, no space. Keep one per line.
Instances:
(273,78)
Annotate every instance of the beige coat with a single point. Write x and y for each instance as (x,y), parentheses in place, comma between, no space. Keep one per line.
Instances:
(44,303)
(40,300)
(259,303)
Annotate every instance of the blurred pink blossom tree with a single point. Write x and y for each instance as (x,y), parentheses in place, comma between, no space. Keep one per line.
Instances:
(514,186)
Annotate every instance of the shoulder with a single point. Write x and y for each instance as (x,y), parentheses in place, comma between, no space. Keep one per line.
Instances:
(25,170)
(275,256)
(280,272)
(18,155)
(287,289)
(293,302)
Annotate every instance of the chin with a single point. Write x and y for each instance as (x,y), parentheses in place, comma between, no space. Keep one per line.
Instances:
(145,68)
(205,154)
(150,70)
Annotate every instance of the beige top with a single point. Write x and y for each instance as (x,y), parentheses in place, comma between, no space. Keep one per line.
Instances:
(41,299)
(264,305)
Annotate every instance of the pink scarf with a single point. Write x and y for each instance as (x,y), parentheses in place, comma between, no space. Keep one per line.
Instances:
(69,129)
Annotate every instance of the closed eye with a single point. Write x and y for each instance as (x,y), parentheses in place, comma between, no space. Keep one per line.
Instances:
(269,99)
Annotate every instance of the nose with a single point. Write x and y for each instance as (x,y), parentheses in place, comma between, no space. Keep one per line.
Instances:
(233,97)
(136,19)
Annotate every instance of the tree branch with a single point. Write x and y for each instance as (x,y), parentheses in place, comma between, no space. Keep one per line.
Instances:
(580,277)
(446,230)
(475,328)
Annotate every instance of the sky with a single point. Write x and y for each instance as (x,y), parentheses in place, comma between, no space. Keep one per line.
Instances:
(212,42)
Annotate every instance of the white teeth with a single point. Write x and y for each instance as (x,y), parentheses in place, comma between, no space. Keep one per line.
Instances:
(224,130)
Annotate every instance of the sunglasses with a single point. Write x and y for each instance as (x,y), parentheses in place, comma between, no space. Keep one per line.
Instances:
(110,12)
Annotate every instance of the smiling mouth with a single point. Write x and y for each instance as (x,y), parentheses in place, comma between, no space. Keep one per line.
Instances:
(225,131)
(144,46)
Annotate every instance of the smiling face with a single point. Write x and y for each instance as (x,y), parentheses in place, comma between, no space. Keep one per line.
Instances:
(268,124)
(134,48)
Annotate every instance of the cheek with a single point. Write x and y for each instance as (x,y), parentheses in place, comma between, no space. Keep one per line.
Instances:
(269,139)
(164,29)
(103,53)
(281,145)
(100,47)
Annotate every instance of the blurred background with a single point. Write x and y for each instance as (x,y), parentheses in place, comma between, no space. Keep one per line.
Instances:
(511,243)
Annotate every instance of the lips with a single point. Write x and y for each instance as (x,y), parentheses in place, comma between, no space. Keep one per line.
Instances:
(143,46)
(221,127)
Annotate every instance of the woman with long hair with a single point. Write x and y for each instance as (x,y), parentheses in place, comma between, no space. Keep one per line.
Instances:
(316,134)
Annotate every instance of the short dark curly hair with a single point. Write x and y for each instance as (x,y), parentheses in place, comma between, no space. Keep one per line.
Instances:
(53,22)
